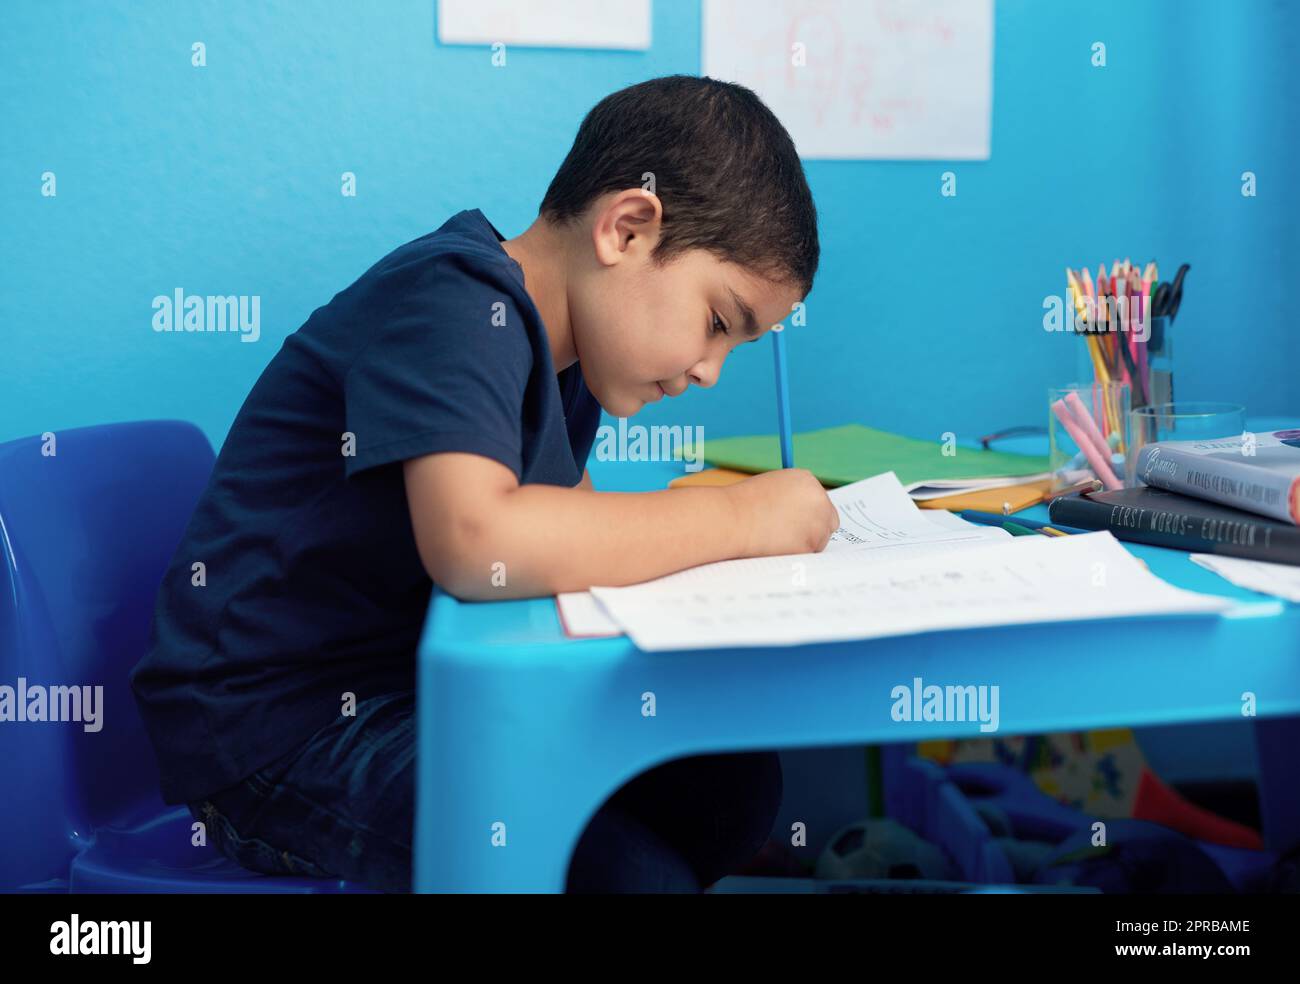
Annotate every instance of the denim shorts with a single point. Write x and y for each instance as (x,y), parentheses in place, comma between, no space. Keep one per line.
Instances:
(342,806)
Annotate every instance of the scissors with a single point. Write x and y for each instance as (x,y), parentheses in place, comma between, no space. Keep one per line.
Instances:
(1169,296)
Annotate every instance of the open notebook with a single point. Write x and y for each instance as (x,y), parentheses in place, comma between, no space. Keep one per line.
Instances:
(890,569)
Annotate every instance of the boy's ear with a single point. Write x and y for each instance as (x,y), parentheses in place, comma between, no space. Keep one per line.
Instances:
(627,223)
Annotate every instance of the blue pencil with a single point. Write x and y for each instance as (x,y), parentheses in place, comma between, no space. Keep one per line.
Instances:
(993,519)
(783,399)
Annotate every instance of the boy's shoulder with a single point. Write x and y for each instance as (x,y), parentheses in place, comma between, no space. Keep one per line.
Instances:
(466,248)
(431,297)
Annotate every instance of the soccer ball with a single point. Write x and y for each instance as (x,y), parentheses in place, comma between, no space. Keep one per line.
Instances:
(874,849)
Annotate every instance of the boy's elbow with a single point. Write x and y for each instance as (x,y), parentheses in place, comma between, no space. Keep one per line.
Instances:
(471,562)
(464,589)
(470,579)
(459,562)
(478,580)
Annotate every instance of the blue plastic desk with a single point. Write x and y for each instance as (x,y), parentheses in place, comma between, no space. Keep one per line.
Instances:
(524,733)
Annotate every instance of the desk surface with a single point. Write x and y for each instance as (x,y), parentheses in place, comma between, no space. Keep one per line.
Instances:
(1119,672)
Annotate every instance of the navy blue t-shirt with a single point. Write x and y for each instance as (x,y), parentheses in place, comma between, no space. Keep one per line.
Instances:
(312,586)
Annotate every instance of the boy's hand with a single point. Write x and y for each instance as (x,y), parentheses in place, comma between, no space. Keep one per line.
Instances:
(784,512)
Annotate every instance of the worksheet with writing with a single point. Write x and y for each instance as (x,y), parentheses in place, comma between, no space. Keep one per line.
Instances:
(1029,579)
(878,523)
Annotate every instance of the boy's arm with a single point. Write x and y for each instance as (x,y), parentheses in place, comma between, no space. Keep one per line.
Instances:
(482,536)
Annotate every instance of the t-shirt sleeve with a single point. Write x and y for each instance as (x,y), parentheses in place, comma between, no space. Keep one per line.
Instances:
(444,370)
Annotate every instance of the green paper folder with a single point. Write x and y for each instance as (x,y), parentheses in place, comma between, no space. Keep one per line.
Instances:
(842,455)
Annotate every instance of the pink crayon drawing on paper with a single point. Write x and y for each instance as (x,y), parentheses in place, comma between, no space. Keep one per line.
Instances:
(863,78)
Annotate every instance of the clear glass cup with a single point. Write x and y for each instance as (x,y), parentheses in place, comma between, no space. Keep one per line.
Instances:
(1153,359)
(1087,432)
(1187,420)
(1158,361)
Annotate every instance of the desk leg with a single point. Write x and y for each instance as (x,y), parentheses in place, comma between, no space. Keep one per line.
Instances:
(502,832)
(502,793)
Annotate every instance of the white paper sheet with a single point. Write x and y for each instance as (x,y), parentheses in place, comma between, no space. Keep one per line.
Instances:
(1278,580)
(582,617)
(623,24)
(1026,580)
(872,78)
(878,522)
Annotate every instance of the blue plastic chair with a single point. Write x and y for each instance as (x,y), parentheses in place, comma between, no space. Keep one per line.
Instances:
(86,534)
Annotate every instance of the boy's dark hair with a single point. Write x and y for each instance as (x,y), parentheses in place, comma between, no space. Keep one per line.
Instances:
(724,168)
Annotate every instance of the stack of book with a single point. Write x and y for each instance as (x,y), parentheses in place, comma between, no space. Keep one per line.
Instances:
(1238,496)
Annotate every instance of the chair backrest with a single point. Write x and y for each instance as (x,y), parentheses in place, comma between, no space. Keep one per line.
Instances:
(89,521)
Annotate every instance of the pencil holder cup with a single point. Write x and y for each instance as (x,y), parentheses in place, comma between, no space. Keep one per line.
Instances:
(1185,421)
(1147,365)
(1087,428)
(1157,362)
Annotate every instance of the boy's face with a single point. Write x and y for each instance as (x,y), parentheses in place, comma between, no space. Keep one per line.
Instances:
(642,331)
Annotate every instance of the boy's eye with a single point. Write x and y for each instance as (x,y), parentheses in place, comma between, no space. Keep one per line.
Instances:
(718,325)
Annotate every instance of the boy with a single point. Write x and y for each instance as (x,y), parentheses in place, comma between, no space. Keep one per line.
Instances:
(431,423)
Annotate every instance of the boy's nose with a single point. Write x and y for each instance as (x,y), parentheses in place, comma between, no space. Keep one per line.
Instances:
(705,373)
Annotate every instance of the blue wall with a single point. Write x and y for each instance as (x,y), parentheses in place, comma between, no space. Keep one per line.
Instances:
(927,313)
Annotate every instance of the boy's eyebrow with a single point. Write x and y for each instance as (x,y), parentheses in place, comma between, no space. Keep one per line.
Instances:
(752,331)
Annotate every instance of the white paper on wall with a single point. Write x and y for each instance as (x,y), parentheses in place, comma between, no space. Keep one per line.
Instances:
(548,23)
(863,78)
